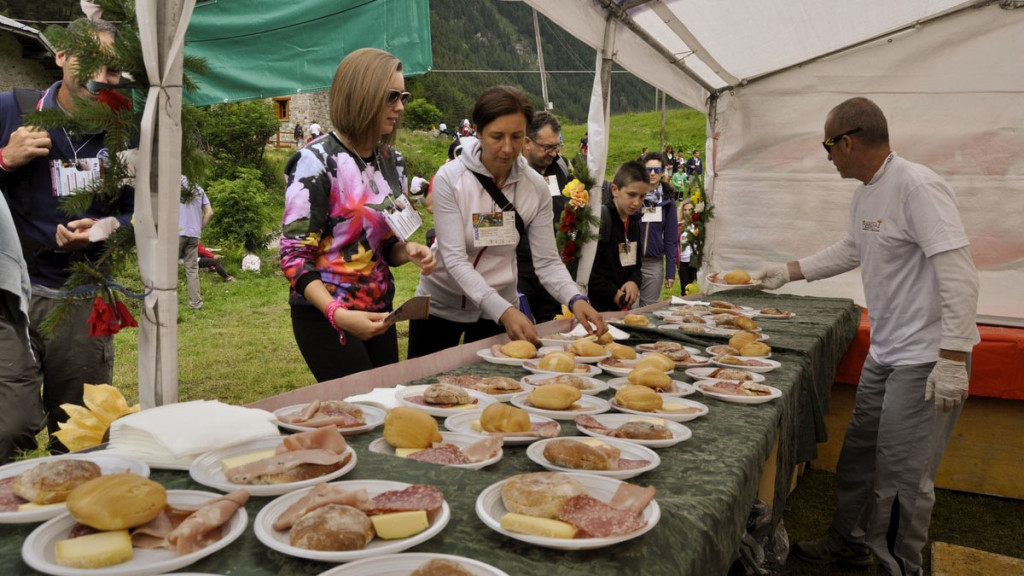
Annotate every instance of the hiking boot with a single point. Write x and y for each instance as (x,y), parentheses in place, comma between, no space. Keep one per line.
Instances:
(833,549)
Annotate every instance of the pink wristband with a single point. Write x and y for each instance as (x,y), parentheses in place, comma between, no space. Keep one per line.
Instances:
(3,165)
(329,310)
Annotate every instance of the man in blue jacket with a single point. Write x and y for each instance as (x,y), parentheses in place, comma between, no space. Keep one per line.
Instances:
(659,232)
(37,169)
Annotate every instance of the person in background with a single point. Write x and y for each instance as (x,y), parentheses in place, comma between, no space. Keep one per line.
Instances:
(659,236)
(442,129)
(315,130)
(921,289)
(209,260)
(671,161)
(542,152)
(297,134)
(615,279)
(337,247)
(694,167)
(193,216)
(483,202)
(51,241)
(585,145)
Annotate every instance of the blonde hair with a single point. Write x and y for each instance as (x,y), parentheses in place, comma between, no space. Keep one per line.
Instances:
(359,95)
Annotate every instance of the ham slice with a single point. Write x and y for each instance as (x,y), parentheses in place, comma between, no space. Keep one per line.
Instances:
(327,413)
(281,463)
(484,449)
(595,519)
(327,438)
(188,536)
(9,501)
(322,495)
(632,498)
(153,534)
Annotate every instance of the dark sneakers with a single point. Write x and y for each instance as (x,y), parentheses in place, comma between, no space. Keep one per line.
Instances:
(833,549)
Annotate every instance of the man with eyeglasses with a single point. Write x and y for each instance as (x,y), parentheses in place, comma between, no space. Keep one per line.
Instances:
(659,232)
(542,152)
(921,289)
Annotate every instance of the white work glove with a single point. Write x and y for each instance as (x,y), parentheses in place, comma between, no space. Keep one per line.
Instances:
(773,277)
(948,383)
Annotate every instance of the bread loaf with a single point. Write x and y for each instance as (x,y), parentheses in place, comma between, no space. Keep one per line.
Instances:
(406,427)
(636,320)
(539,494)
(52,481)
(333,527)
(117,501)
(500,417)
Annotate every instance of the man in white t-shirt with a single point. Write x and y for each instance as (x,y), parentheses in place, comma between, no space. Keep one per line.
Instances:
(921,289)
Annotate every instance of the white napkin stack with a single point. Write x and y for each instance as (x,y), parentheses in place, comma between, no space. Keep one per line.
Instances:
(172,436)
(380,397)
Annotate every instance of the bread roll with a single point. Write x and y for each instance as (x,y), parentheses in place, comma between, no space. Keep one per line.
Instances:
(554,397)
(585,347)
(657,360)
(636,320)
(441,393)
(639,398)
(500,417)
(620,351)
(333,527)
(650,377)
(51,482)
(539,494)
(441,567)
(755,349)
(644,431)
(740,339)
(407,427)
(737,276)
(117,501)
(605,338)
(745,322)
(558,362)
(519,349)
(575,454)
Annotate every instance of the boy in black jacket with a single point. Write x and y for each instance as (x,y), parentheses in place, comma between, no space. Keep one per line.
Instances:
(615,279)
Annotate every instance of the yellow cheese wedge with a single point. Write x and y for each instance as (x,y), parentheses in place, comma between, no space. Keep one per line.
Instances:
(95,550)
(464,407)
(242,459)
(655,421)
(400,524)
(674,406)
(32,506)
(475,425)
(405,452)
(593,442)
(545,527)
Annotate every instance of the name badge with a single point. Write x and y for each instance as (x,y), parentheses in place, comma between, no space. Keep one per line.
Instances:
(401,217)
(553,185)
(627,253)
(68,176)
(494,229)
(651,214)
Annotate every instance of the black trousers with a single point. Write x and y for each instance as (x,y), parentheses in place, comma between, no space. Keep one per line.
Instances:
(327,359)
(435,334)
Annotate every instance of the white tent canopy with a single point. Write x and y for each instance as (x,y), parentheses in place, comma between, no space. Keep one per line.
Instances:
(946,72)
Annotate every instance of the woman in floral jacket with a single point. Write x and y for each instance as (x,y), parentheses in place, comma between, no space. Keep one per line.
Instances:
(337,246)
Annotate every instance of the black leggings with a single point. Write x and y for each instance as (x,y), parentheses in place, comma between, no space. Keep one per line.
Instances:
(435,334)
(327,358)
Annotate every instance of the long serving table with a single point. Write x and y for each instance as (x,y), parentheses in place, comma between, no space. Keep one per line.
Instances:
(706,485)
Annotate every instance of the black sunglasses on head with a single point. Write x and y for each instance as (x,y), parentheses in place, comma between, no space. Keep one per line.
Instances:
(395,95)
(830,142)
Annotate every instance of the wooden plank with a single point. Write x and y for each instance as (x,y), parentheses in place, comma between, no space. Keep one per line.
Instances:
(983,456)
(952,560)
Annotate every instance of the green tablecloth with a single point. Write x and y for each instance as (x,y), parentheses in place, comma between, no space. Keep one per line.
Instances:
(706,486)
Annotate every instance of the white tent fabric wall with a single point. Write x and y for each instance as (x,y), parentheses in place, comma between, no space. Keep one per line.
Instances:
(951,87)
(952,93)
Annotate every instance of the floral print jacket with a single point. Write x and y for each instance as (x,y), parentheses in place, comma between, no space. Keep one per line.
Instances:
(333,228)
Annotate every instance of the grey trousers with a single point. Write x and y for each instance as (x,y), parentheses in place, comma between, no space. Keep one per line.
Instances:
(62,364)
(653,279)
(885,477)
(188,251)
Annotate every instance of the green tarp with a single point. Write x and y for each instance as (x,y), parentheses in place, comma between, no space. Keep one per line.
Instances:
(264,48)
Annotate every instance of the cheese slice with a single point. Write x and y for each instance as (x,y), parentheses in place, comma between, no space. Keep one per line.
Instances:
(545,527)
(475,426)
(674,406)
(400,524)
(655,421)
(405,452)
(593,442)
(242,459)
(33,506)
(95,550)
(464,407)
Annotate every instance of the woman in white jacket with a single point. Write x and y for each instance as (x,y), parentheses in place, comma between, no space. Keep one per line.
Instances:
(473,288)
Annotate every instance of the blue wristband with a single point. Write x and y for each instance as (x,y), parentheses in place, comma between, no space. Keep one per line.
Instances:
(577,298)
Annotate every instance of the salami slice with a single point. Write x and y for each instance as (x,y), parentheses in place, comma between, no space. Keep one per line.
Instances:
(447,454)
(595,519)
(9,501)
(415,497)
(630,464)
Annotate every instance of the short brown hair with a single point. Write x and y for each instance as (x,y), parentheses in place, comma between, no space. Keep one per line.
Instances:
(860,113)
(498,101)
(542,118)
(629,173)
(359,93)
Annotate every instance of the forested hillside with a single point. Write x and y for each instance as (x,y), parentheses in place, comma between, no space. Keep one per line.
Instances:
(499,35)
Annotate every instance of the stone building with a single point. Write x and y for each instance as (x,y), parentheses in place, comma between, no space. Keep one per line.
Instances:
(305,109)
(26,57)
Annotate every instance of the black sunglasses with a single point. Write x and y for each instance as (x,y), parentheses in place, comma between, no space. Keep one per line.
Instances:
(830,142)
(396,95)
(655,170)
